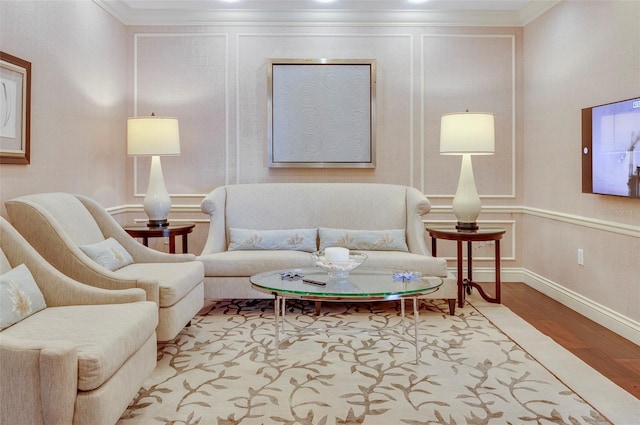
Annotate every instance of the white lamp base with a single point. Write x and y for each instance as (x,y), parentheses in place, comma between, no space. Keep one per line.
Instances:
(157,202)
(466,203)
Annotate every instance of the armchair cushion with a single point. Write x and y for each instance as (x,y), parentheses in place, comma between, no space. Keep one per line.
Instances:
(20,296)
(370,240)
(108,253)
(174,282)
(101,349)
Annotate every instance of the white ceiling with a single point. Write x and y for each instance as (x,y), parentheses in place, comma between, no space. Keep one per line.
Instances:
(438,12)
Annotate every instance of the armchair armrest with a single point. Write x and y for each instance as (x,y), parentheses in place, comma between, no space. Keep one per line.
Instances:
(139,252)
(82,288)
(39,381)
(60,290)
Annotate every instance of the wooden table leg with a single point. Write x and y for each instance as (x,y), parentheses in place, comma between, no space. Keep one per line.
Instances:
(185,244)
(497,259)
(469,262)
(460,277)
(172,244)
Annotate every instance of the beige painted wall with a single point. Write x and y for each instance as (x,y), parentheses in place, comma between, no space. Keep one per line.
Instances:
(78,105)
(579,54)
(91,72)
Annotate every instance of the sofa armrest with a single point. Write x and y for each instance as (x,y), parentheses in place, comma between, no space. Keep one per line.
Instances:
(214,206)
(39,381)
(417,206)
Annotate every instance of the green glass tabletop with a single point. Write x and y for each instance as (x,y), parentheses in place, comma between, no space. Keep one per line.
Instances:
(362,284)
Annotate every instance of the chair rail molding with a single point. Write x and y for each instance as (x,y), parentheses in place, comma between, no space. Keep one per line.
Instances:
(578,220)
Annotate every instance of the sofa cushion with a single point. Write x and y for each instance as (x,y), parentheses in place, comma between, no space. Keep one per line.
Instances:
(106,336)
(406,261)
(278,239)
(20,296)
(108,253)
(248,263)
(373,240)
(174,279)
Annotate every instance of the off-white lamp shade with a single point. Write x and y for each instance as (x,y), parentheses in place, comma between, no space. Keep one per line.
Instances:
(467,134)
(154,136)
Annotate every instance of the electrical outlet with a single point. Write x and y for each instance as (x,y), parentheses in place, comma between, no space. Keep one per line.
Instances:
(580,257)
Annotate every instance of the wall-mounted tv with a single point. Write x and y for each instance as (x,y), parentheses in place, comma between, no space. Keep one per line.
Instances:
(611,149)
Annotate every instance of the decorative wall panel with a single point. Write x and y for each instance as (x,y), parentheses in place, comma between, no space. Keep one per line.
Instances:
(185,75)
(474,72)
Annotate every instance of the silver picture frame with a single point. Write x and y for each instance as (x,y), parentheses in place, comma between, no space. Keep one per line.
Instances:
(321,113)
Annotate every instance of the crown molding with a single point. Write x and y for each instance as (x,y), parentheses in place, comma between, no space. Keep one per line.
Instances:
(535,9)
(171,16)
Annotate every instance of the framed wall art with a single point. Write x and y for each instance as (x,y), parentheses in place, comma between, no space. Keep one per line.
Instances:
(15,109)
(321,113)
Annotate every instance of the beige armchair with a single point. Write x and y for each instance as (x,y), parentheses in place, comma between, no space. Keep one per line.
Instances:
(58,224)
(79,360)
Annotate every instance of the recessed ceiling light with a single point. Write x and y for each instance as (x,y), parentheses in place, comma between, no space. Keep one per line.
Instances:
(325,1)
(418,1)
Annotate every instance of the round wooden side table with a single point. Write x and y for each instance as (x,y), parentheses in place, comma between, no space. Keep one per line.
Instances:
(171,231)
(480,235)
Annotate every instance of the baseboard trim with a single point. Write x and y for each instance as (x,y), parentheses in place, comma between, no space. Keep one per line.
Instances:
(604,316)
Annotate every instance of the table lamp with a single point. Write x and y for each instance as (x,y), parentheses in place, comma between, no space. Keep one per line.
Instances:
(466,134)
(154,136)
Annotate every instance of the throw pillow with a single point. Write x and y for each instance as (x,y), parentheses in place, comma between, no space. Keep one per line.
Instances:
(285,239)
(368,240)
(108,253)
(20,296)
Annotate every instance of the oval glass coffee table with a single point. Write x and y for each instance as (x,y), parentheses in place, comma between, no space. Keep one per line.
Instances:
(362,285)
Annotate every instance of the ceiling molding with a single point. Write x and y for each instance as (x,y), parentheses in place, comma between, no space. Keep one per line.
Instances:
(535,9)
(371,12)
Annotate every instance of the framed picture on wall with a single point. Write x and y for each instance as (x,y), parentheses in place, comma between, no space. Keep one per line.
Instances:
(15,109)
(322,113)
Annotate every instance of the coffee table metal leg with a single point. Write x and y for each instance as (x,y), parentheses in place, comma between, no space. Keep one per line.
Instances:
(416,319)
(283,310)
(276,313)
(404,327)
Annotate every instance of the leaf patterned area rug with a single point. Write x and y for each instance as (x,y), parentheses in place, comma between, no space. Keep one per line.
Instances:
(223,370)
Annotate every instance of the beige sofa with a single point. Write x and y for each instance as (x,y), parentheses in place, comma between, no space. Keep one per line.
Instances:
(269,206)
(58,225)
(79,360)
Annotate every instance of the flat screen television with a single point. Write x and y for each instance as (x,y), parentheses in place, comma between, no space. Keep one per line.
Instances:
(611,149)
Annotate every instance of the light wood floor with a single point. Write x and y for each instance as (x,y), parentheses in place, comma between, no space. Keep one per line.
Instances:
(612,355)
